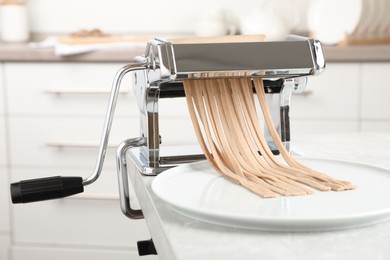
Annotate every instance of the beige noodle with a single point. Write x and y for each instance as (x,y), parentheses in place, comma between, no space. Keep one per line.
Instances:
(224,116)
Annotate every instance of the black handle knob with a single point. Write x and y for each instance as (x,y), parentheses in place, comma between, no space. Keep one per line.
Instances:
(45,189)
(146,247)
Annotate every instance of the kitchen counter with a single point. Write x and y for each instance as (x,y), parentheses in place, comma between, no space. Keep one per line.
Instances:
(370,53)
(24,53)
(179,237)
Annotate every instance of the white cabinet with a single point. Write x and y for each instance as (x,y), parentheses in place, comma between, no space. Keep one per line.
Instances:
(3,147)
(301,128)
(4,246)
(375,126)
(58,253)
(330,103)
(65,142)
(64,89)
(4,202)
(4,213)
(71,222)
(332,95)
(56,115)
(4,197)
(375,92)
(2,105)
(375,97)
(347,97)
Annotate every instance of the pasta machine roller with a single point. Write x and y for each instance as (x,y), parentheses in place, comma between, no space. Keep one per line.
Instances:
(283,65)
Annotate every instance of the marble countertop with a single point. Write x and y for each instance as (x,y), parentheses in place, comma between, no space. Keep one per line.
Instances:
(24,53)
(179,237)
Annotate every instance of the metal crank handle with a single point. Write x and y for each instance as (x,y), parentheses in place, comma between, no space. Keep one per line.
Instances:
(123,179)
(60,187)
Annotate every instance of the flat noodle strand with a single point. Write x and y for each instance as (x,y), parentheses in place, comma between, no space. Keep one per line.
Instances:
(228,129)
(194,100)
(264,148)
(333,183)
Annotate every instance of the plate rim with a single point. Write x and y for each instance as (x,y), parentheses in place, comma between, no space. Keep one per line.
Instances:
(302,222)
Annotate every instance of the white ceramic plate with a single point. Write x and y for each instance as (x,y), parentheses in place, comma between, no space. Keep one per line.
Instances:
(198,191)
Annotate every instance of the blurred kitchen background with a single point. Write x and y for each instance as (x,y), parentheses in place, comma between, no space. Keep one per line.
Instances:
(53,96)
(128,17)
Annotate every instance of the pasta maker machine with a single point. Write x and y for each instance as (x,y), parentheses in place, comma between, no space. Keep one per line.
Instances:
(283,65)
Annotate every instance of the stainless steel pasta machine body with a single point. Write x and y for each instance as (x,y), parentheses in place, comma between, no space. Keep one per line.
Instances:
(283,66)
